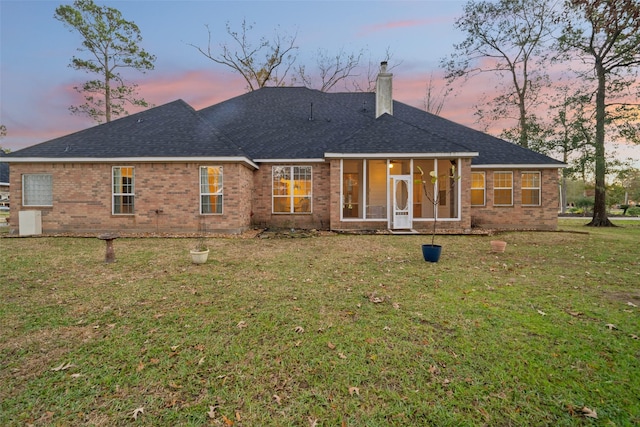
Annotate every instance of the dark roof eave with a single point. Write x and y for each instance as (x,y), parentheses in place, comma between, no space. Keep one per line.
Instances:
(520,166)
(160,159)
(399,155)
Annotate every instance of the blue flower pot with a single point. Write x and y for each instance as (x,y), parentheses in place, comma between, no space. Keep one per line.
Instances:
(431,253)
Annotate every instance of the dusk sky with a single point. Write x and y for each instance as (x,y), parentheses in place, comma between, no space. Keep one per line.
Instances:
(36,83)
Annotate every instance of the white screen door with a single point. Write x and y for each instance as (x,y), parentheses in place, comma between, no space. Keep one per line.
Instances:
(401,196)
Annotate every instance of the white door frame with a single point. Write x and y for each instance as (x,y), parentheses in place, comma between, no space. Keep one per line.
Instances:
(401,202)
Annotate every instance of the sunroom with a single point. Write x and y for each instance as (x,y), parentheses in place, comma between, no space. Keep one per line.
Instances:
(404,193)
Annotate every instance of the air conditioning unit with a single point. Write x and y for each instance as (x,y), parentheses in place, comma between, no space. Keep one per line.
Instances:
(30,223)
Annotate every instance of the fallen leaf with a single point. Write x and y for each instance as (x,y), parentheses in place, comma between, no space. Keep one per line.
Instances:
(299,330)
(277,399)
(575,313)
(631,304)
(137,411)
(331,346)
(589,412)
(212,412)
(242,324)
(542,313)
(396,305)
(63,367)
(433,369)
(313,422)
(238,417)
(76,375)
(354,390)
(174,347)
(342,356)
(227,421)
(611,326)
(201,361)
(140,367)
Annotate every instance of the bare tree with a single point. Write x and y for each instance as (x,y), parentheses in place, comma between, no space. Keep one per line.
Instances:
(113,43)
(506,38)
(606,35)
(332,69)
(435,97)
(367,81)
(261,64)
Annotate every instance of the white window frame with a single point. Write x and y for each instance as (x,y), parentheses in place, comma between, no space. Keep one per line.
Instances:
(115,194)
(538,188)
(510,188)
(484,187)
(39,192)
(205,185)
(292,196)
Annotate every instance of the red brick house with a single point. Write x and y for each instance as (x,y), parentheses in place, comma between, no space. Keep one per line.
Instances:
(282,157)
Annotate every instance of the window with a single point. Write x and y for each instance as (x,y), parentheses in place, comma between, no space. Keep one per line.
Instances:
(291,189)
(37,190)
(211,189)
(477,189)
(503,188)
(123,190)
(531,188)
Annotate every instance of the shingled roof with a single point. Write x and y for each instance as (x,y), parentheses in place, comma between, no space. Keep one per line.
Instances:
(170,130)
(283,123)
(4,169)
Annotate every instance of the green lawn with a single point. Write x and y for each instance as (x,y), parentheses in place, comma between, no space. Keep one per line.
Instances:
(323,331)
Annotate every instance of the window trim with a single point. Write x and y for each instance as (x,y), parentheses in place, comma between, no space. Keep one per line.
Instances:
(220,191)
(292,196)
(510,188)
(539,187)
(132,194)
(484,188)
(24,188)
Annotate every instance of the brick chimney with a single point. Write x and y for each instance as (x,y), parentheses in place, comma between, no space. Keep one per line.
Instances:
(384,91)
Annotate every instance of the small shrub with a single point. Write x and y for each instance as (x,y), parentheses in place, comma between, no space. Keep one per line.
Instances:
(634,211)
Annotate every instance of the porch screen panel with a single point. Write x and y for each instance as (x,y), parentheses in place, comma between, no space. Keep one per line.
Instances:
(123,190)
(377,189)
(447,187)
(352,186)
(211,189)
(422,206)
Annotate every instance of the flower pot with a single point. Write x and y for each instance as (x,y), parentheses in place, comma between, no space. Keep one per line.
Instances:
(431,253)
(199,257)
(498,245)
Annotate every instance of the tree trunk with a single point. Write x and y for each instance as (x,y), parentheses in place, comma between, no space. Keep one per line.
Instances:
(600,218)
(107,90)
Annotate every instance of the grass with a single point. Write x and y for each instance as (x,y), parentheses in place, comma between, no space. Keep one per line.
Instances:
(323,331)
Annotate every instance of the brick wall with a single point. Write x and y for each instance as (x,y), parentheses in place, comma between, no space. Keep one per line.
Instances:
(167,198)
(543,217)
(262,204)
